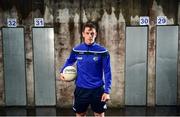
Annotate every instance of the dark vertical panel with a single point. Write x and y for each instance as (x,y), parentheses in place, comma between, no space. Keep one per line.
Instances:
(5,4)
(44,70)
(178,87)
(136,66)
(166,65)
(145,5)
(38,4)
(14,66)
(24,7)
(170,8)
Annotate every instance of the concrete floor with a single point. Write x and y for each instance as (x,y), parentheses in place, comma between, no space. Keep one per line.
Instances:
(55,111)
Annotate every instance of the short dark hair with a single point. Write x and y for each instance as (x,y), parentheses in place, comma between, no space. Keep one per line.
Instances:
(90,25)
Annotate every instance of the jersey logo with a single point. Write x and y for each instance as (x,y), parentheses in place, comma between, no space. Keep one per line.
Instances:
(95,58)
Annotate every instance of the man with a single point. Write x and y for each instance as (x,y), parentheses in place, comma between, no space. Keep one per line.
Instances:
(92,87)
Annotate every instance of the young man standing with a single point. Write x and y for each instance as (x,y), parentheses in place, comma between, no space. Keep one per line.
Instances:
(93,82)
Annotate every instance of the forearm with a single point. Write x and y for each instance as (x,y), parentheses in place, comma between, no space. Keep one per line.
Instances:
(108,82)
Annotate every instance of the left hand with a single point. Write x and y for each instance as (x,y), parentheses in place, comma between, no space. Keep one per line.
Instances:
(105,97)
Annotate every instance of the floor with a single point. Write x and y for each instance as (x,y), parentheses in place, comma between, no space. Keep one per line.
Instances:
(57,111)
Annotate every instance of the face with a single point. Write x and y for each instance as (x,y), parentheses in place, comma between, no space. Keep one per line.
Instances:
(89,35)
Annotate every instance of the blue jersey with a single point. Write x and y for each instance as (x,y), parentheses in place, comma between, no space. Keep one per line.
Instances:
(92,61)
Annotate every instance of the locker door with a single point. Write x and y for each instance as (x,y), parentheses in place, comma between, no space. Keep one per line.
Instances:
(44,70)
(14,66)
(136,66)
(166,65)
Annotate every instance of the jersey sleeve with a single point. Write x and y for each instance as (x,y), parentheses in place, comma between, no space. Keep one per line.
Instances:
(107,72)
(70,61)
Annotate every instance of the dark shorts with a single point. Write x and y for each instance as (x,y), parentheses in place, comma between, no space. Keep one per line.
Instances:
(85,97)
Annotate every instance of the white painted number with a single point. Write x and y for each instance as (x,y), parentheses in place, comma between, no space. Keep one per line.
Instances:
(161,20)
(11,22)
(144,20)
(39,22)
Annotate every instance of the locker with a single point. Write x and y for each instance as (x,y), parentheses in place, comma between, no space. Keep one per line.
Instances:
(44,70)
(166,65)
(136,65)
(14,66)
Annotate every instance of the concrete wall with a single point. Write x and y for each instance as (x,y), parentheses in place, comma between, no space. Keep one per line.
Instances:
(66,16)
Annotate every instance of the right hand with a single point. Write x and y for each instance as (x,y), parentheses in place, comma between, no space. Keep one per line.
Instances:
(62,77)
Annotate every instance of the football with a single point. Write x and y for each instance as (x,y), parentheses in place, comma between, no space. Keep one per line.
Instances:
(69,73)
